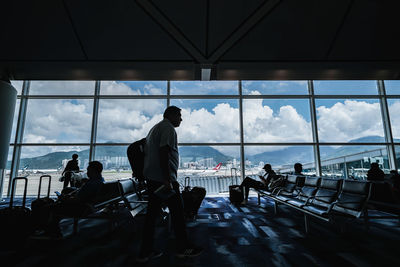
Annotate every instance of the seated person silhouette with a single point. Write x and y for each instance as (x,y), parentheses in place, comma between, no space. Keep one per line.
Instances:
(374,173)
(72,166)
(78,202)
(298,168)
(252,183)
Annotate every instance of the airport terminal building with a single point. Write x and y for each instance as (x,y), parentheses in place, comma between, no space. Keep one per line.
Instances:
(269,81)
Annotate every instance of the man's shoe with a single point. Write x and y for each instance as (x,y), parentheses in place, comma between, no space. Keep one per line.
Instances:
(244,202)
(152,255)
(189,252)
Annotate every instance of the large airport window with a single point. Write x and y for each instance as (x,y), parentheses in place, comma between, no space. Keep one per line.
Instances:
(276,120)
(62,87)
(212,167)
(115,162)
(281,158)
(394,111)
(127,120)
(392,87)
(350,120)
(352,162)
(58,121)
(345,87)
(40,160)
(133,87)
(208,120)
(18,86)
(204,88)
(274,88)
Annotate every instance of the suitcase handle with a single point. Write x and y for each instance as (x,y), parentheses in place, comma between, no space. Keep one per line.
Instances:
(233,173)
(187,178)
(14,181)
(40,185)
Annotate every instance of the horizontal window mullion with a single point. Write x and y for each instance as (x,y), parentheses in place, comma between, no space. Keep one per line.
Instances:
(59,97)
(53,144)
(347,96)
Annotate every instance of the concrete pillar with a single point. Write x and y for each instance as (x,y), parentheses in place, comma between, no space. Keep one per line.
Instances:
(8,99)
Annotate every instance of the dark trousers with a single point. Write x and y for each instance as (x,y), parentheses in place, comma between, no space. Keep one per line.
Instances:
(67,179)
(251,183)
(175,207)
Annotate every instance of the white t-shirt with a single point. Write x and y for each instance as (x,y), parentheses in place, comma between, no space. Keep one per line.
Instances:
(162,134)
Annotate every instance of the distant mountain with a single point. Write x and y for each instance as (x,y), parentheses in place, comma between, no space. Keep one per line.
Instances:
(54,160)
(202,152)
(288,155)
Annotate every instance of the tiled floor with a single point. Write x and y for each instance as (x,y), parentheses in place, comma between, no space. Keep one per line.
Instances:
(232,236)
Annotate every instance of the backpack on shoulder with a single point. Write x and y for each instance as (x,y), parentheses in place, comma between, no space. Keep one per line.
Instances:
(135,153)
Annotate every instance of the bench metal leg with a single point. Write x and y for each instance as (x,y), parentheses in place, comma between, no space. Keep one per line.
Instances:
(259,199)
(75,226)
(366,221)
(306,226)
(275,207)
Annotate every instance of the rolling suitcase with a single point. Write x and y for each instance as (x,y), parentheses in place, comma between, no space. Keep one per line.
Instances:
(40,206)
(15,221)
(235,191)
(192,198)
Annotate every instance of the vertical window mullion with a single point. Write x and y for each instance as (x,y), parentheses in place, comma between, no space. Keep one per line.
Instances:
(95,116)
(317,159)
(387,125)
(242,159)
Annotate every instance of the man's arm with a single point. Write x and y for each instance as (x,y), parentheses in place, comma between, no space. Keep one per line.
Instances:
(164,163)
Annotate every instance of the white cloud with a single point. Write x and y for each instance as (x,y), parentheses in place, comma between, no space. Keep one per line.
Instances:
(352,119)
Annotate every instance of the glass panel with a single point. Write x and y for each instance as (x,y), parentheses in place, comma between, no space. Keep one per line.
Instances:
(7,171)
(345,87)
(115,162)
(394,111)
(392,87)
(18,86)
(15,121)
(212,167)
(397,149)
(352,120)
(274,88)
(58,121)
(208,121)
(39,160)
(204,88)
(281,158)
(128,120)
(276,120)
(356,159)
(62,88)
(133,87)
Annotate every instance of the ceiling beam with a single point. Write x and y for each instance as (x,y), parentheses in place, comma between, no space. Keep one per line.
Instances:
(172,30)
(243,29)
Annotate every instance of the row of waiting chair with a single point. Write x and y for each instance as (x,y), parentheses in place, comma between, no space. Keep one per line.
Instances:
(125,193)
(322,198)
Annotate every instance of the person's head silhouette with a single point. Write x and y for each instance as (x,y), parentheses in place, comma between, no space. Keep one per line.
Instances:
(94,169)
(173,114)
(74,156)
(298,168)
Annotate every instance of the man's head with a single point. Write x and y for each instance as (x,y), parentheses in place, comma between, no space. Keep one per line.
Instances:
(173,114)
(74,156)
(267,167)
(298,167)
(374,165)
(94,169)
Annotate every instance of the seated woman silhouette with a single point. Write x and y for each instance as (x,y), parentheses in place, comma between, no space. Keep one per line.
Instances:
(72,166)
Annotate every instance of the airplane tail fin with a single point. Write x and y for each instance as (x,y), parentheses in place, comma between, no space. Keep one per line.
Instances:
(218,166)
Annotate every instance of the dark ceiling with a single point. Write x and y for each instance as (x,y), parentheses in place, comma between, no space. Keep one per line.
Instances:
(175,39)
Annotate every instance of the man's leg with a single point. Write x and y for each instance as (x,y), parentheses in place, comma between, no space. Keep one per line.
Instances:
(175,206)
(153,209)
(247,184)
